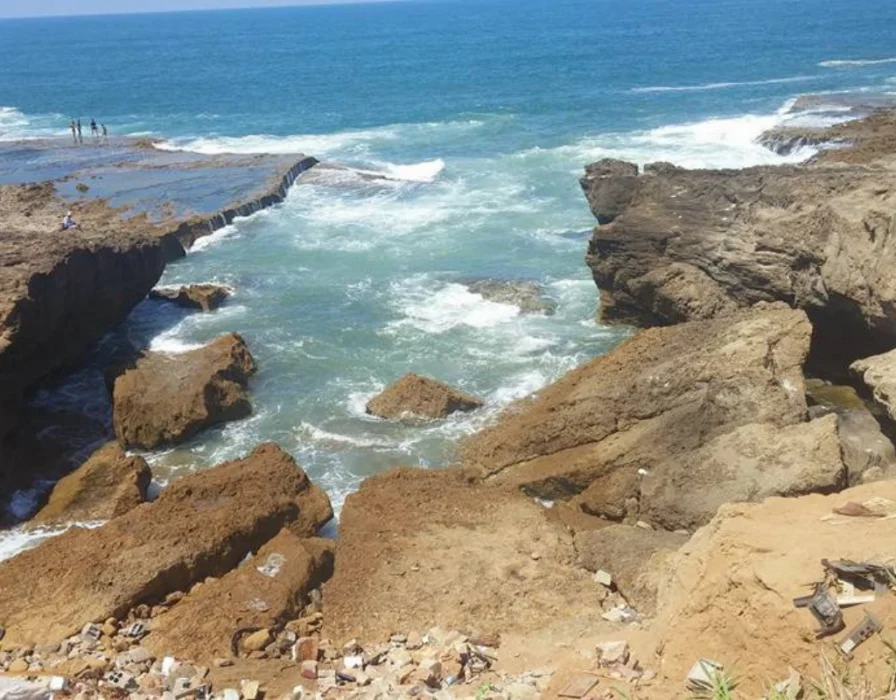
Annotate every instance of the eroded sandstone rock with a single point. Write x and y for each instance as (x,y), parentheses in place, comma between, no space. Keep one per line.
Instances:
(205,297)
(262,592)
(878,373)
(420,547)
(678,245)
(202,525)
(165,399)
(671,424)
(108,484)
(414,396)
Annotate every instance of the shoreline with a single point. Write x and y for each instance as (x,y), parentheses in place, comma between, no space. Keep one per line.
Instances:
(613,520)
(118,252)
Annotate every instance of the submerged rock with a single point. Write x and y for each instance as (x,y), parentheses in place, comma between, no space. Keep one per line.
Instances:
(165,399)
(194,296)
(107,485)
(200,526)
(414,396)
(528,296)
(671,424)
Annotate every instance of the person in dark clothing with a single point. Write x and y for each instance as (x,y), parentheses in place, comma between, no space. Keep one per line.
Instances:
(74,129)
(80,137)
(105,134)
(93,129)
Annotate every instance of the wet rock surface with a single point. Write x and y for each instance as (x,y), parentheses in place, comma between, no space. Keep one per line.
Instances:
(528,296)
(205,297)
(417,397)
(165,399)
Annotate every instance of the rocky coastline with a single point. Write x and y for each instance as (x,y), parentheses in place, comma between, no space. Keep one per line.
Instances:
(640,528)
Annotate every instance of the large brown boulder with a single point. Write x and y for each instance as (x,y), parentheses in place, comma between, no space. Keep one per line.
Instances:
(677,245)
(414,396)
(204,297)
(200,526)
(263,592)
(108,484)
(165,399)
(420,547)
(671,424)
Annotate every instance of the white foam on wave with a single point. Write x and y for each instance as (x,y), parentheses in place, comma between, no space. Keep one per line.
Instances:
(722,85)
(19,539)
(17,126)
(425,171)
(339,440)
(449,307)
(723,142)
(856,62)
(357,142)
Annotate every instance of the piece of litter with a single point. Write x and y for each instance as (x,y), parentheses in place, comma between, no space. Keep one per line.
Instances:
(704,674)
(845,601)
(272,566)
(579,686)
(867,628)
(824,608)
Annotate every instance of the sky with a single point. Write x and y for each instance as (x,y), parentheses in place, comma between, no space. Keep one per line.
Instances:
(35,8)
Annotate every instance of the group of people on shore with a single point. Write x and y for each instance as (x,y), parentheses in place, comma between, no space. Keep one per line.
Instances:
(95,131)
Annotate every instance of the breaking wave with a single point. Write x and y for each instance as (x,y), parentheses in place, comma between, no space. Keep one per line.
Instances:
(721,86)
(856,62)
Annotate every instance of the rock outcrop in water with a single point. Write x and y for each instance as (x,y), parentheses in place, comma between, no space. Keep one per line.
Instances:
(61,291)
(677,245)
(671,424)
(417,397)
(165,398)
(204,297)
(527,296)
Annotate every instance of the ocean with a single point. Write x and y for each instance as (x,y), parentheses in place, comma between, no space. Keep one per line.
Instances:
(482,114)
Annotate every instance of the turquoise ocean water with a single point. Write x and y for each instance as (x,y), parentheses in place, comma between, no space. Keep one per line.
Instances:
(482,113)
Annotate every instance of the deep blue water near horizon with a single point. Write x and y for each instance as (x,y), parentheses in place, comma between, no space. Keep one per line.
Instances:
(482,113)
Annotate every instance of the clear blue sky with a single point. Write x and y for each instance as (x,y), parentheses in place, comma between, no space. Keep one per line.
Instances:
(34,8)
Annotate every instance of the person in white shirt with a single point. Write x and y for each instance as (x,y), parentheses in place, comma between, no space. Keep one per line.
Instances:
(68,222)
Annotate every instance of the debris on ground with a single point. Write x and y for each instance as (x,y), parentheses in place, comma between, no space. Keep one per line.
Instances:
(866,629)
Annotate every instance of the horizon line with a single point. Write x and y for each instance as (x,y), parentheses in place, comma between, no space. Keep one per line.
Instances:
(126,13)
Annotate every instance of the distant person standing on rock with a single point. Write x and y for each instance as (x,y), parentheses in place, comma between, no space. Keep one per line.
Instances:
(80,137)
(93,130)
(74,129)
